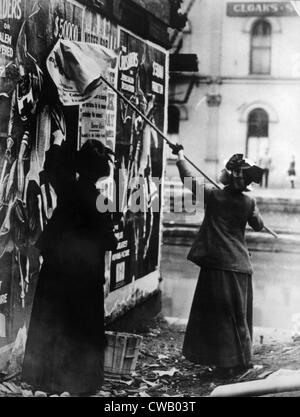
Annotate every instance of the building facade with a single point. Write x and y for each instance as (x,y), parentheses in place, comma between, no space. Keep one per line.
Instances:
(246,96)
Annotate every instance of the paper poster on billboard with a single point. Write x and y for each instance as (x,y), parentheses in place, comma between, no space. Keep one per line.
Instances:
(98,115)
(139,151)
(77,69)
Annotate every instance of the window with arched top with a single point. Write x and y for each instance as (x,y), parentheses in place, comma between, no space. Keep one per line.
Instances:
(261,48)
(258,134)
(258,123)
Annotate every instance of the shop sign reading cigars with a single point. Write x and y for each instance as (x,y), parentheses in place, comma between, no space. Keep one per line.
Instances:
(255,9)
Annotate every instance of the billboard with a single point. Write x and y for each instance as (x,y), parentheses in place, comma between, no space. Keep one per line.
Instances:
(28,32)
(139,151)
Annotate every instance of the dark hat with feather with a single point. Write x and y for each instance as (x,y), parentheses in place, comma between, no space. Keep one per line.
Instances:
(250,171)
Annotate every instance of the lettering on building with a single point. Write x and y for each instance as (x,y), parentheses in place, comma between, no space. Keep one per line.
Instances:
(255,9)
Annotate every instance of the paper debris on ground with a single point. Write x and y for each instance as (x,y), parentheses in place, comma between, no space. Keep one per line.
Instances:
(170,373)
(161,357)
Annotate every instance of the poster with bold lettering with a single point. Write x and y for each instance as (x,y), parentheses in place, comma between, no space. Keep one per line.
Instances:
(139,152)
(11,30)
(67,20)
(98,29)
(22,42)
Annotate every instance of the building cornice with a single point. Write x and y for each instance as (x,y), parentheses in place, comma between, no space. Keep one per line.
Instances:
(260,80)
(207,79)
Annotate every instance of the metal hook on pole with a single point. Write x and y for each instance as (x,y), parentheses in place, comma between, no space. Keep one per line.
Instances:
(125,99)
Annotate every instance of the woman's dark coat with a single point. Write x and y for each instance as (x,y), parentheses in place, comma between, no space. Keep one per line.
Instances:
(66,339)
(220,327)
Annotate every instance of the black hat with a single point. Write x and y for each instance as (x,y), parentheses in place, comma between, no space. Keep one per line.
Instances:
(93,160)
(250,171)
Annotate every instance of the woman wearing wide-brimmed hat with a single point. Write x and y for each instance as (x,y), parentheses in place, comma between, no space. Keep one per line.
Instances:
(66,339)
(219,332)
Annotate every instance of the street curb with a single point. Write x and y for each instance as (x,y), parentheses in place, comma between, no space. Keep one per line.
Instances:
(179,235)
(275,202)
(268,335)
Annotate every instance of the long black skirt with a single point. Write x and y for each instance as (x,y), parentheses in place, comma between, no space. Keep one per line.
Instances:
(220,327)
(66,340)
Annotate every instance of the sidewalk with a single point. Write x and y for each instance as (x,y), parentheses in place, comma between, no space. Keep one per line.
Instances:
(184,234)
(279,207)
(263,193)
(283,201)
(262,335)
(276,193)
(163,372)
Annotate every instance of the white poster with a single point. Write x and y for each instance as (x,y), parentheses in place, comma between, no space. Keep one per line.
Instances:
(77,69)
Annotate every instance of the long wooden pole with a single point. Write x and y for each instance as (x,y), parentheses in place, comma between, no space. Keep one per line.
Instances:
(259,388)
(145,118)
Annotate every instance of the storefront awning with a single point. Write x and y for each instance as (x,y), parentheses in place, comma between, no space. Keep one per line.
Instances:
(184,63)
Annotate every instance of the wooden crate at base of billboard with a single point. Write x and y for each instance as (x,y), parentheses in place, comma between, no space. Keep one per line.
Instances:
(121,353)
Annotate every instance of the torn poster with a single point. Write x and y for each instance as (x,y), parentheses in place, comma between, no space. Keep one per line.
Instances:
(77,69)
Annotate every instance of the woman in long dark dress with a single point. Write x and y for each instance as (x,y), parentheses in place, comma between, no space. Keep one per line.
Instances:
(220,329)
(66,338)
